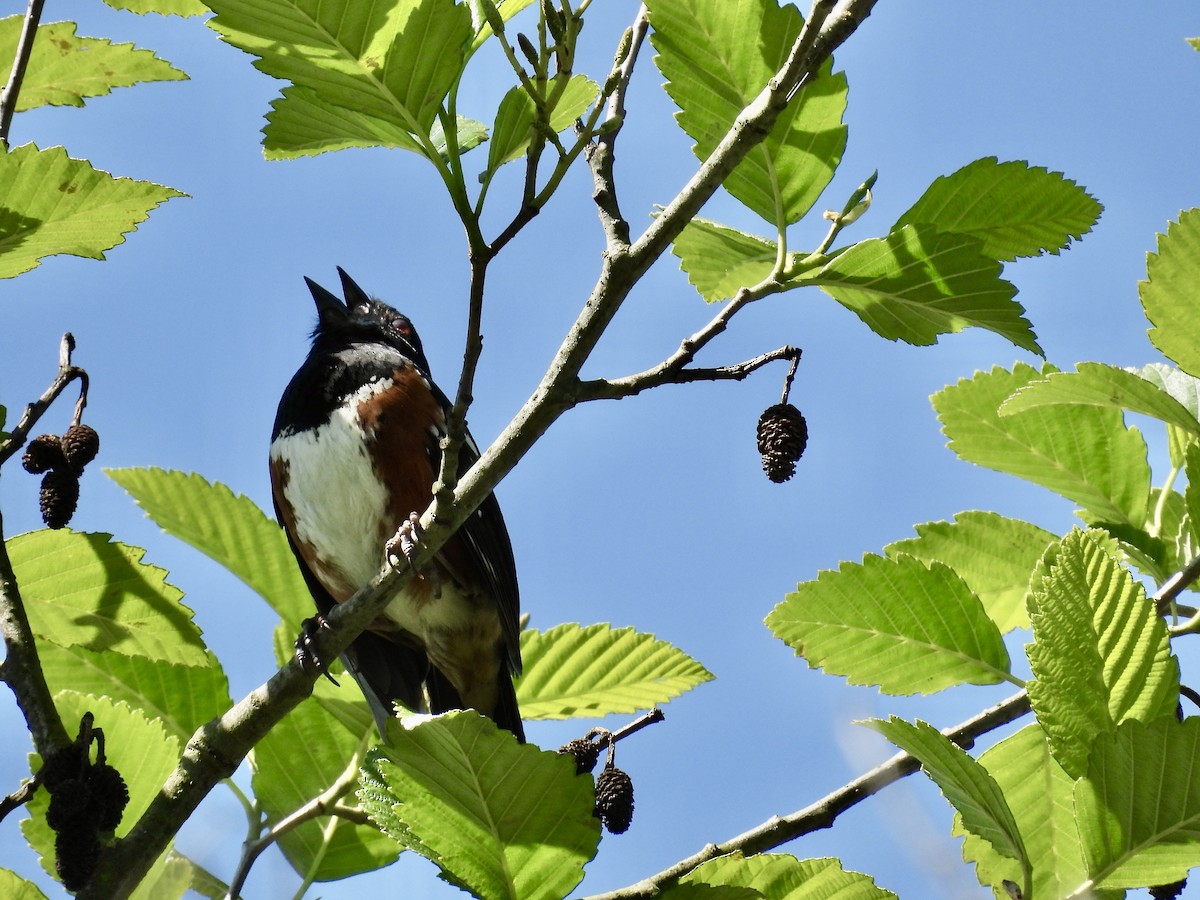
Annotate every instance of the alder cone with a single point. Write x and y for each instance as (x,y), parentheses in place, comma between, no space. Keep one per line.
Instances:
(585,752)
(43,453)
(614,800)
(60,494)
(782,437)
(80,444)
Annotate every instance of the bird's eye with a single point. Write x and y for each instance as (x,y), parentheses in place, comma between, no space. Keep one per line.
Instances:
(403,326)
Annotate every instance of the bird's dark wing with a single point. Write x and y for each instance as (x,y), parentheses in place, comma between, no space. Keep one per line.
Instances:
(486,538)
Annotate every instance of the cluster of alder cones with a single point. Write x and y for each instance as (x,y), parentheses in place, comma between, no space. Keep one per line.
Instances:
(614,788)
(86,799)
(60,462)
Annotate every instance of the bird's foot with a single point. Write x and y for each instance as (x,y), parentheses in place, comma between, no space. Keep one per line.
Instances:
(306,647)
(404,542)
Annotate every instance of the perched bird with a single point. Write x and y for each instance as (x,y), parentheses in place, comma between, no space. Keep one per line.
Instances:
(354,453)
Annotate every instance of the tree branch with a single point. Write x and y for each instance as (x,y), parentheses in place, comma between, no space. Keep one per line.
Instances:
(8,97)
(822,814)
(217,748)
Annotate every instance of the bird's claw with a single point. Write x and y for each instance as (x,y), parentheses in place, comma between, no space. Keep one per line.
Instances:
(404,543)
(306,648)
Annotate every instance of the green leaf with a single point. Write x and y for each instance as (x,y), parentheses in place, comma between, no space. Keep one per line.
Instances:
(1086,454)
(896,623)
(918,283)
(992,553)
(1139,804)
(1099,384)
(1039,793)
(966,784)
(1100,653)
(501,819)
(719,261)
(1014,208)
(182,697)
(300,124)
(55,204)
(717,57)
(15,887)
(300,758)
(1171,292)
(596,670)
(512,132)
(87,590)
(390,61)
(65,68)
(229,529)
(778,876)
(137,747)
(163,7)
(1191,494)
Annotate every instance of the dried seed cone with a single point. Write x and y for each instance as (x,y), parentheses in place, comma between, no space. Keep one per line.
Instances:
(109,795)
(585,752)
(43,453)
(782,437)
(76,852)
(1168,891)
(69,805)
(80,444)
(60,494)
(61,766)
(614,800)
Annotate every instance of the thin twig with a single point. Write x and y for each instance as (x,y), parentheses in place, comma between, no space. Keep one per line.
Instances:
(20,796)
(324,803)
(822,814)
(35,410)
(8,97)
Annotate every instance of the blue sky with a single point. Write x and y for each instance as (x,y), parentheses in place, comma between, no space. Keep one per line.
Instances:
(652,511)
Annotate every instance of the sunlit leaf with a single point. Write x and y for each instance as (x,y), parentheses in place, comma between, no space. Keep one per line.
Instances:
(1171,292)
(777,876)
(391,62)
(918,283)
(896,623)
(721,260)
(55,204)
(512,132)
(65,68)
(595,670)
(88,590)
(717,56)
(1039,793)
(164,7)
(1014,208)
(1084,453)
(992,553)
(1099,384)
(230,529)
(966,784)
(1100,653)
(1138,806)
(501,819)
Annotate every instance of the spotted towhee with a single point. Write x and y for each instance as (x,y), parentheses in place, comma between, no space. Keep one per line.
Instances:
(355,451)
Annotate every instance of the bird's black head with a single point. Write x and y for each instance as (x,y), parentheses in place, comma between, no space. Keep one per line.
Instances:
(362,320)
